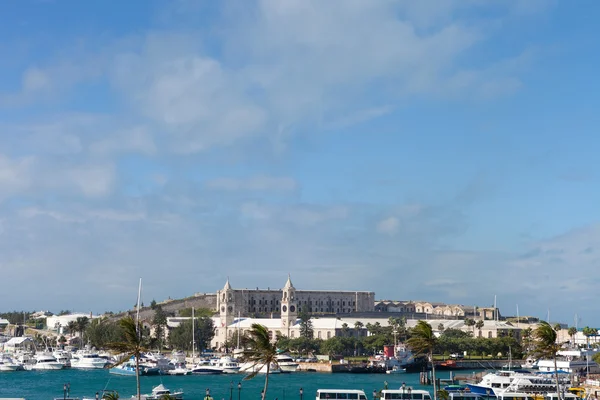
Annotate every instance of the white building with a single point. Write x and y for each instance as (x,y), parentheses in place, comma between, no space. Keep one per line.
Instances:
(59,323)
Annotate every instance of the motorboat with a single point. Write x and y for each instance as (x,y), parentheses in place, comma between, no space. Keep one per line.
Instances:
(493,383)
(87,359)
(227,364)
(204,367)
(250,368)
(396,370)
(286,363)
(43,361)
(8,364)
(128,369)
(159,392)
(179,369)
(63,356)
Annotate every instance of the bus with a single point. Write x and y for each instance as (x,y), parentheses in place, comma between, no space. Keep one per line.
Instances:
(344,394)
(407,393)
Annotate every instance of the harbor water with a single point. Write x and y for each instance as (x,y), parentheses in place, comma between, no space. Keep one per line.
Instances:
(46,385)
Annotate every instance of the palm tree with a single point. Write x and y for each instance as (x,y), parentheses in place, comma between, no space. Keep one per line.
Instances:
(82,324)
(72,327)
(260,351)
(479,324)
(131,346)
(572,332)
(423,342)
(546,346)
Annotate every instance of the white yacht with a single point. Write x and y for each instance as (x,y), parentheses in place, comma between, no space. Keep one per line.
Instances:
(204,367)
(7,364)
(249,367)
(286,363)
(88,359)
(159,392)
(572,362)
(228,364)
(179,369)
(43,361)
(63,356)
(494,383)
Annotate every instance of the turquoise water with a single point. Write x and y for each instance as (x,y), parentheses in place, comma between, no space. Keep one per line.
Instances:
(46,385)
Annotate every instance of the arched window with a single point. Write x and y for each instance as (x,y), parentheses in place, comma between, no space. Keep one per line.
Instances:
(319,334)
(490,334)
(328,335)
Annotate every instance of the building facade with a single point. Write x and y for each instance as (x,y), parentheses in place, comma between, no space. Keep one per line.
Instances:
(289,301)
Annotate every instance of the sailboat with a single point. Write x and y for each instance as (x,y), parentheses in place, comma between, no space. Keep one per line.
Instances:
(204,367)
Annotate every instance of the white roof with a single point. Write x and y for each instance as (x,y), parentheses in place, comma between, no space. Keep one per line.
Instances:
(4,321)
(18,340)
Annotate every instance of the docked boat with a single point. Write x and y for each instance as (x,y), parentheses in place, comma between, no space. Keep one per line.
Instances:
(178,370)
(517,381)
(572,362)
(396,370)
(204,367)
(43,361)
(8,364)
(227,364)
(250,367)
(286,363)
(86,359)
(128,369)
(62,356)
(160,392)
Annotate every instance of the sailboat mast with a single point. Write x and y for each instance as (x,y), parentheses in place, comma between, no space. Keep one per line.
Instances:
(238,331)
(193,337)
(137,318)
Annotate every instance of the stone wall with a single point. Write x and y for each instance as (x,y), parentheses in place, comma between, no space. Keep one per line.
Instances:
(200,300)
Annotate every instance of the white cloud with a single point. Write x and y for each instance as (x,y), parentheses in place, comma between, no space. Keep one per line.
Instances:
(15,175)
(388,225)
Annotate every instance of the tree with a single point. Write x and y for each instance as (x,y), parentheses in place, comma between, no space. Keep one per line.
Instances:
(572,332)
(306,328)
(423,342)
(160,324)
(181,336)
(470,323)
(479,324)
(260,352)
(332,346)
(546,346)
(345,329)
(72,327)
(587,331)
(441,327)
(82,324)
(130,345)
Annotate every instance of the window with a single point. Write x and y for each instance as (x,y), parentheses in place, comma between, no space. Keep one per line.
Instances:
(319,334)
(328,335)
(490,334)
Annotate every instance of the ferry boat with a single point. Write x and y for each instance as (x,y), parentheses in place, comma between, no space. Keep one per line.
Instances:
(494,383)
(572,362)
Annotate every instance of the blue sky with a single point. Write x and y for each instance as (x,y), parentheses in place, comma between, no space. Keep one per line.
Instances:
(421,150)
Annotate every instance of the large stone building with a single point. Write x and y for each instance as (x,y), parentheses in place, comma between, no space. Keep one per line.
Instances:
(285,304)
